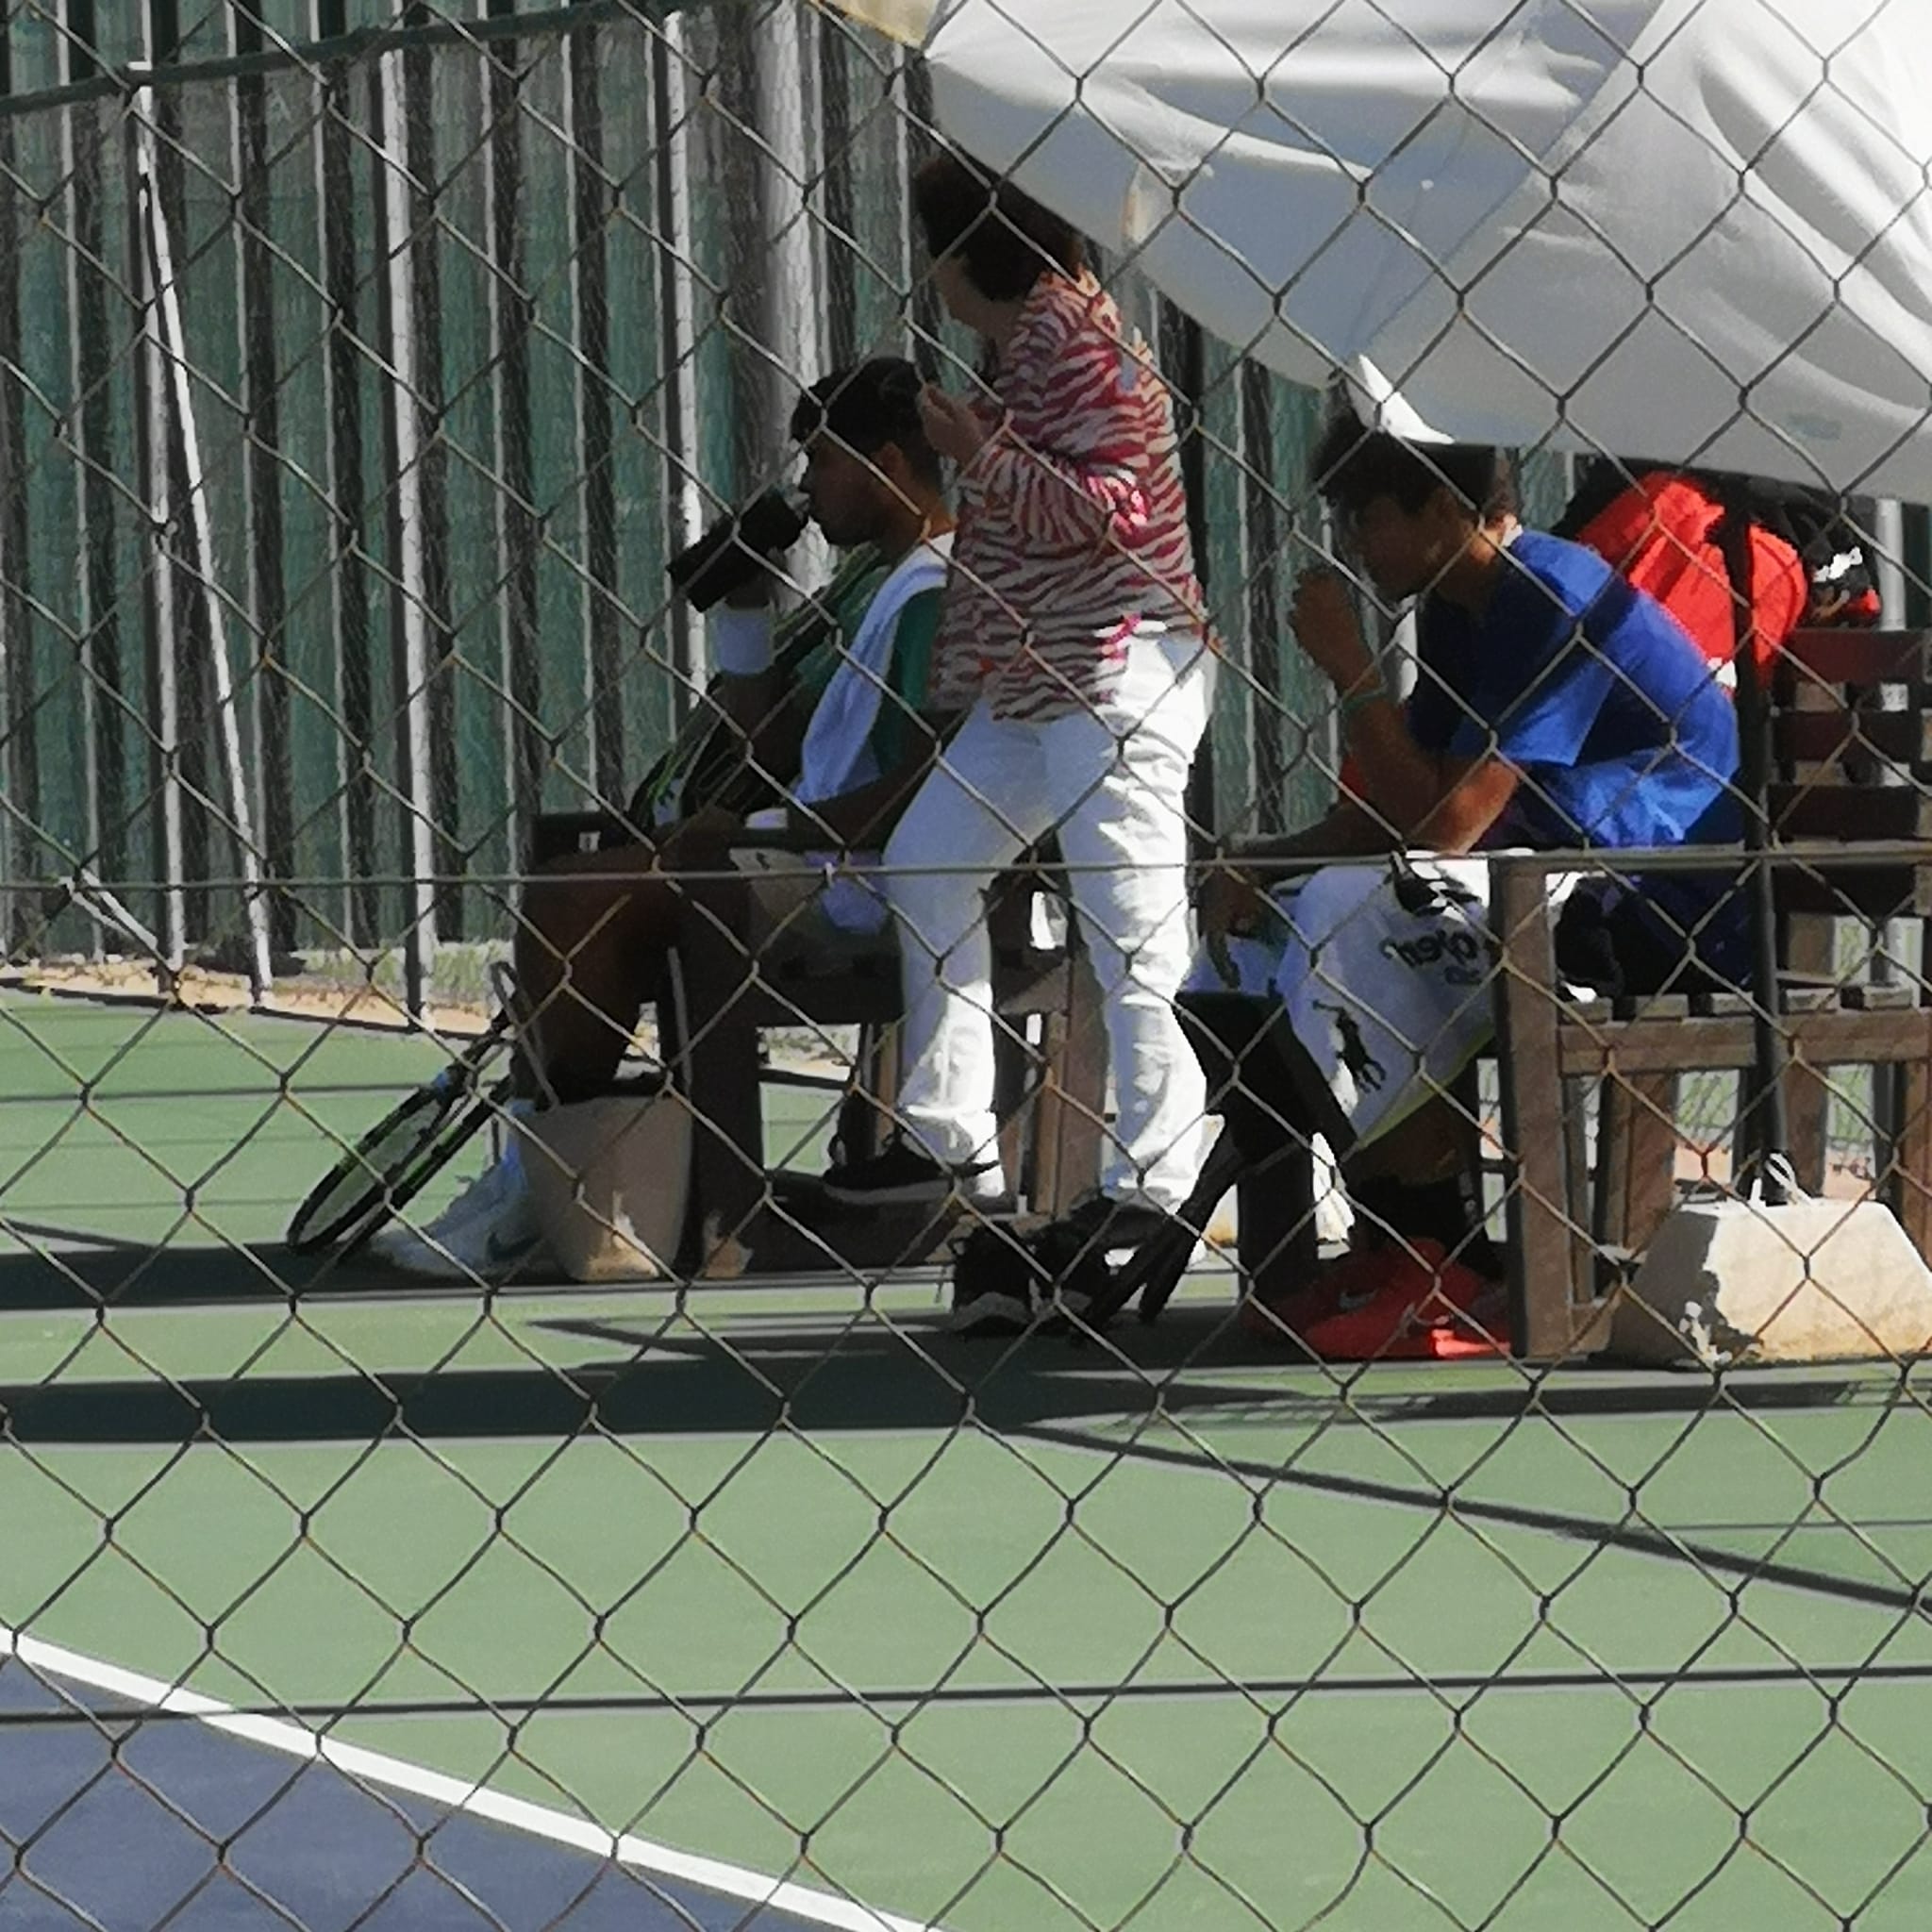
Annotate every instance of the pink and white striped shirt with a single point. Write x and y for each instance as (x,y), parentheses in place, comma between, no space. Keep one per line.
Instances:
(1073,518)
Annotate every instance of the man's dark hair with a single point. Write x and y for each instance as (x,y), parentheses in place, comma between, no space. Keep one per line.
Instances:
(1354,465)
(1005,239)
(867,406)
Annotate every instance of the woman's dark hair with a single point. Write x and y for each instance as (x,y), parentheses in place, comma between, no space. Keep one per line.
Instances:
(1005,239)
(1354,465)
(867,406)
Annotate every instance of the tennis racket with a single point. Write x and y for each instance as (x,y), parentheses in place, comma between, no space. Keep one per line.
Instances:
(391,1164)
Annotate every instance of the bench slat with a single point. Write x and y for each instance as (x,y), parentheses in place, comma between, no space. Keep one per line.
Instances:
(1857,656)
(1588,1047)
(1822,738)
(1847,812)
(1863,892)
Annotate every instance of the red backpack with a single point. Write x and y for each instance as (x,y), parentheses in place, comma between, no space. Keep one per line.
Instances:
(1662,533)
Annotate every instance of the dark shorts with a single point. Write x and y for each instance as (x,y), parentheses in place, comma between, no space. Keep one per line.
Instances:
(1627,939)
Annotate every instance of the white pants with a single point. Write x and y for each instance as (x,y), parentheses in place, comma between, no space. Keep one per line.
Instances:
(1112,782)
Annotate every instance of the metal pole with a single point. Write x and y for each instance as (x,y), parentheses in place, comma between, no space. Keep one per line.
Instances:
(419,943)
(1769,1146)
(16,645)
(683,492)
(789,318)
(174,342)
(153,375)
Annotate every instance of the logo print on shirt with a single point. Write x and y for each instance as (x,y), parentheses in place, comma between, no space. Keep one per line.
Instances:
(1366,1070)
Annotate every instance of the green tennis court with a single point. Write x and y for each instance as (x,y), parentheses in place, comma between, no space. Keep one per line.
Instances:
(786,1582)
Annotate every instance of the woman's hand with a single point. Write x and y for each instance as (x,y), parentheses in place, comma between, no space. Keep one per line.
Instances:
(1327,627)
(953,427)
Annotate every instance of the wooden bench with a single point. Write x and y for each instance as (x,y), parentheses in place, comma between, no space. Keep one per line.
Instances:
(719,999)
(1049,1100)
(1851,810)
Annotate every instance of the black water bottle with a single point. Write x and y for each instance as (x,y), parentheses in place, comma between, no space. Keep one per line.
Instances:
(732,551)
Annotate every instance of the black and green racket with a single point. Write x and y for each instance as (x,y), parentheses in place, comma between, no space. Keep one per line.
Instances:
(391,1164)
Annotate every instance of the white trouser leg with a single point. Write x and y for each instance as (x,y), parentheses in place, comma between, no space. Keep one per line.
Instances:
(985,802)
(1113,782)
(1125,841)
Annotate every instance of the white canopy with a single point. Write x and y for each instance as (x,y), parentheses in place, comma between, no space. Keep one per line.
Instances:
(1683,230)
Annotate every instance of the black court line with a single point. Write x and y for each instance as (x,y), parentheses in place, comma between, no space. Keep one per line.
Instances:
(1718,1677)
(120,1823)
(1589,1529)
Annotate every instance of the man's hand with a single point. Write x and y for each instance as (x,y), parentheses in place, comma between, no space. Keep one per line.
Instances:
(754,592)
(953,427)
(700,843)
(1232,904)
(1327,629)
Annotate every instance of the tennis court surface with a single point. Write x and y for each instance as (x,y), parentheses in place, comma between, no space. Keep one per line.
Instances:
(371,1606)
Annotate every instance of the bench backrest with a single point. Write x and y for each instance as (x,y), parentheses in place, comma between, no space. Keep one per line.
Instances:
(1845,770)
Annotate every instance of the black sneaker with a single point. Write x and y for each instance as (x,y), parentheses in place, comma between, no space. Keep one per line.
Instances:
(899,1174)
(1006,1282)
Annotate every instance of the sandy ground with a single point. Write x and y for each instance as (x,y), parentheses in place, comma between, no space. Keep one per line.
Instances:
(197,990)
(326,1000)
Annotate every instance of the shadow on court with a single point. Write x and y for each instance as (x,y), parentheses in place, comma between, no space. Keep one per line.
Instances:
(1131,1398)
(67,1270)
(873,1372)
(124,1819)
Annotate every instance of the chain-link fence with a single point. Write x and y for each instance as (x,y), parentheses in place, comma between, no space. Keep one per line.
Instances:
(719,721)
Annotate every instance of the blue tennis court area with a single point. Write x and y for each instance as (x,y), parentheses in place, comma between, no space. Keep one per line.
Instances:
(121,1814)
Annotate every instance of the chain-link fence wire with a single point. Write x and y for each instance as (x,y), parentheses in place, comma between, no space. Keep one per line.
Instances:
(360,370)
(460,358)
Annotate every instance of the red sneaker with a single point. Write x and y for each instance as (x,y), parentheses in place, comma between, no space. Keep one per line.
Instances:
(1342,1285)
(1414,1305)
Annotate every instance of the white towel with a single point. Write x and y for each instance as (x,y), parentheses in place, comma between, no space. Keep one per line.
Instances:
(837,756)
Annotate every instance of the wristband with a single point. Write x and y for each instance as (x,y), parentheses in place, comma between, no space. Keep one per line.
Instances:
(1367,694)
(741,642)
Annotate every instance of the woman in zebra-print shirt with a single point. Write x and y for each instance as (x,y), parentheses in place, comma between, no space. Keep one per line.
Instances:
(1073,638)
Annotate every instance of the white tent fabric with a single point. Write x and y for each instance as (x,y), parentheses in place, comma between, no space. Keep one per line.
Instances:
(1681,230)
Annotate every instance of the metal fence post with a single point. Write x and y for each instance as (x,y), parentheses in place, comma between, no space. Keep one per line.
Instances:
(410,586)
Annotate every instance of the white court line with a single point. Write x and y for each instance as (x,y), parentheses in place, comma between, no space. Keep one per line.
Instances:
(376,1767)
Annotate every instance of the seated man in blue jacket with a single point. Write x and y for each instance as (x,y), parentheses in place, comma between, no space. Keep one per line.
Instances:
(1554,705)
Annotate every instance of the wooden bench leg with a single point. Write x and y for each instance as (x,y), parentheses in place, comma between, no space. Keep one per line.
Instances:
(711,1048)
(1912,1169)
(1068,1117)
(1807,1113)
(1542,1301)
(867,1112)
(1636,1158)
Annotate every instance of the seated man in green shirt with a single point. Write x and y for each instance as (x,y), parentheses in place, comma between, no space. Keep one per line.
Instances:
(845,732)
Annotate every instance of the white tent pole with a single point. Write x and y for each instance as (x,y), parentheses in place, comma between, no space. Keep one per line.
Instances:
(419,945)
(174,342)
